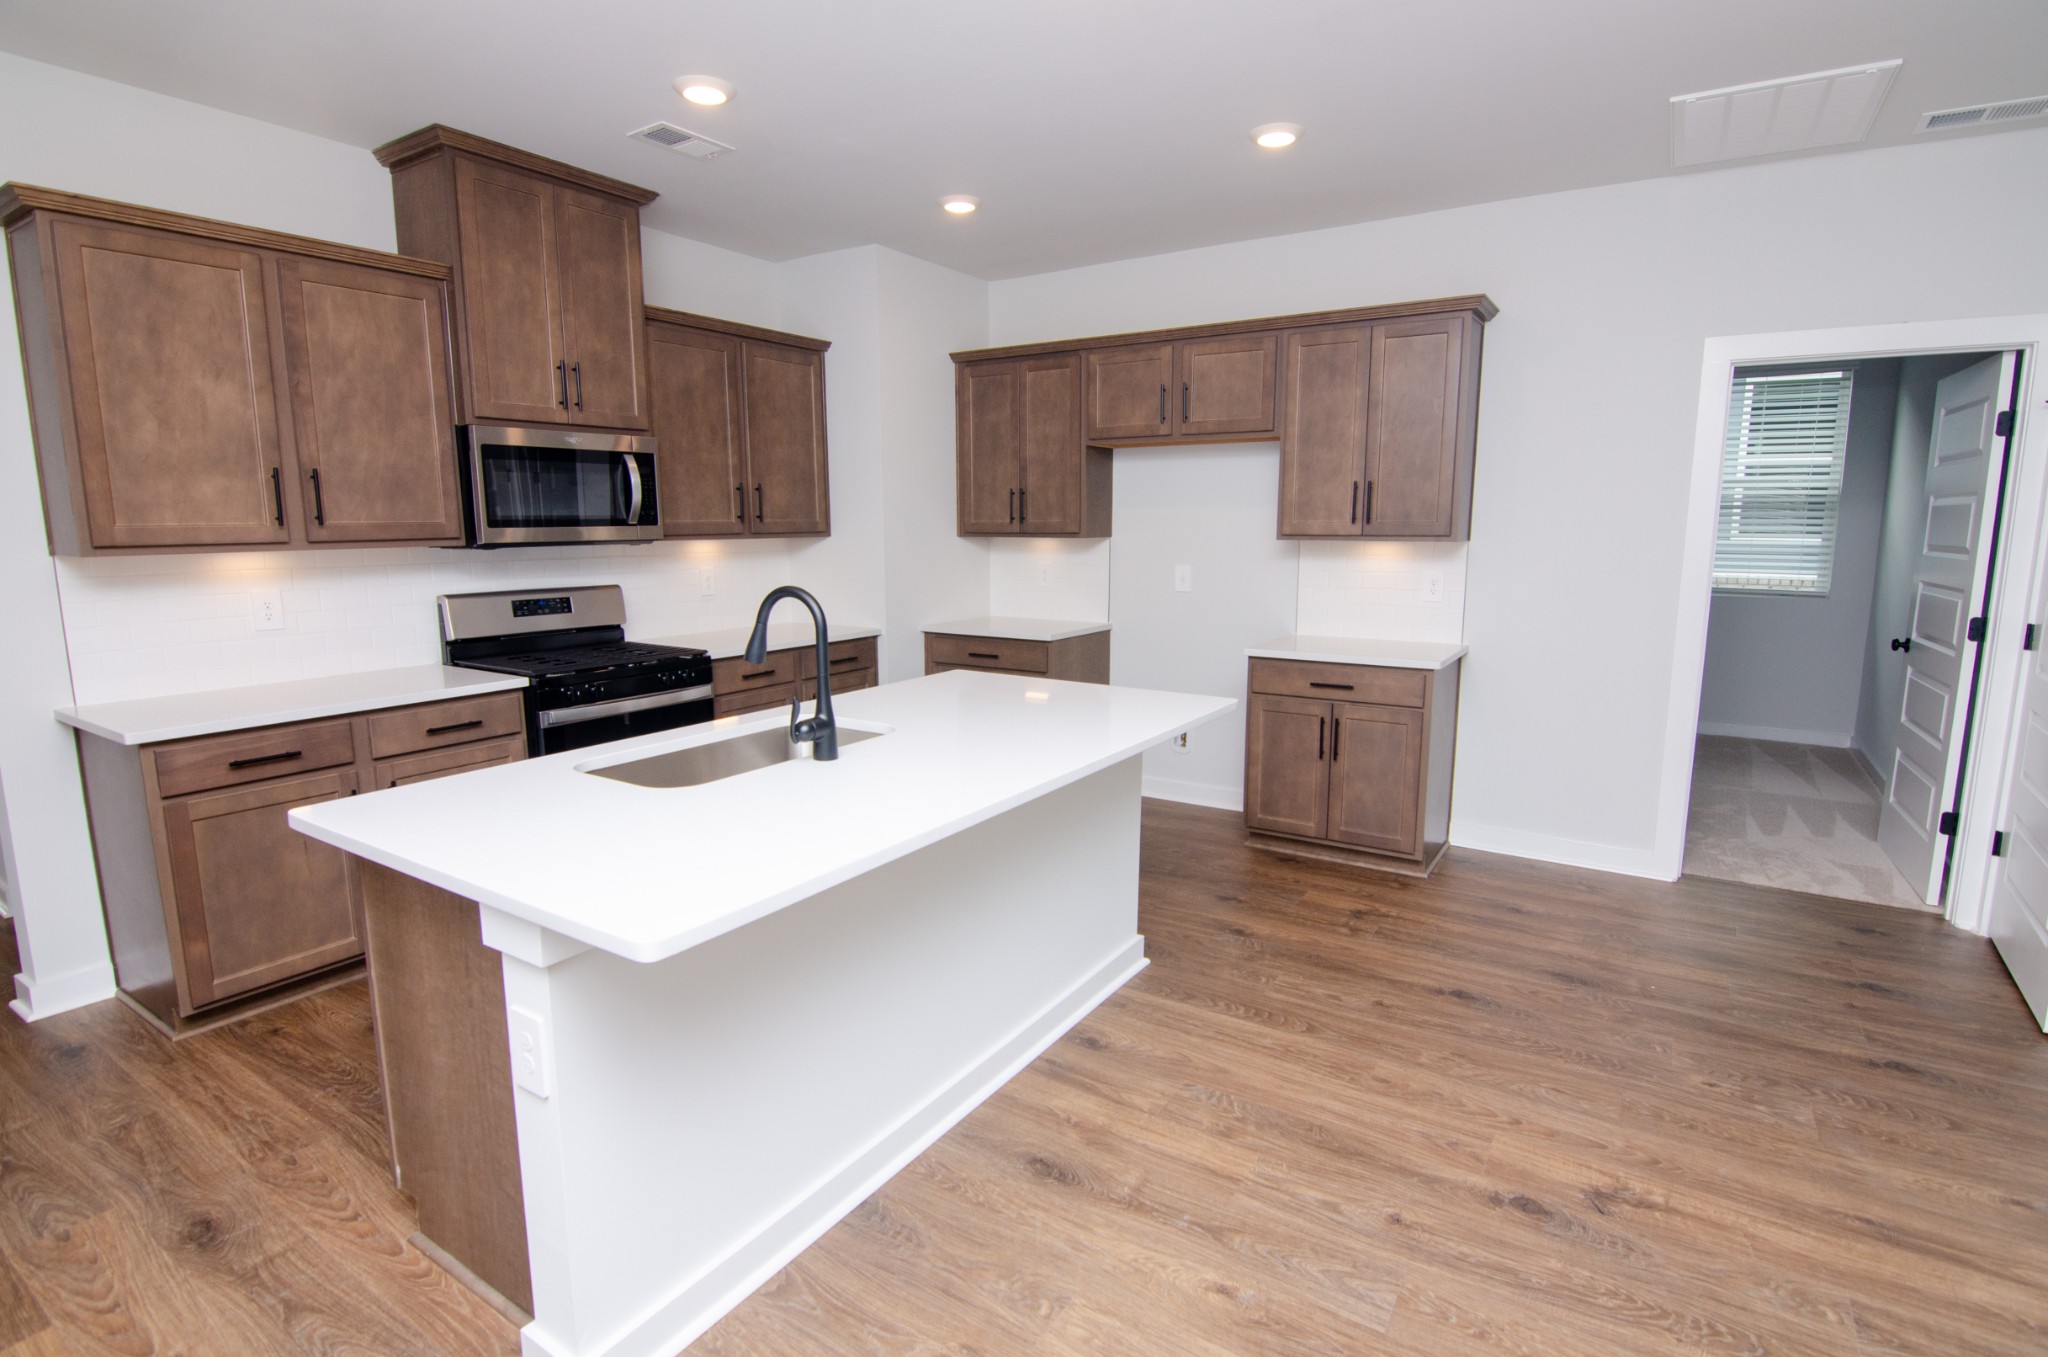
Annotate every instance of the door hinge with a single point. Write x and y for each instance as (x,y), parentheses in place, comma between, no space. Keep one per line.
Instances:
(1976,631)
(1948,822)
(1998,843)
(2003,427)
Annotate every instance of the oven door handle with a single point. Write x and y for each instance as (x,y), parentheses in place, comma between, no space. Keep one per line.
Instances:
(598,711)
(633,481)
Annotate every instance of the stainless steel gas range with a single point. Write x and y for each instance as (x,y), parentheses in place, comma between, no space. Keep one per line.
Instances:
(587,684)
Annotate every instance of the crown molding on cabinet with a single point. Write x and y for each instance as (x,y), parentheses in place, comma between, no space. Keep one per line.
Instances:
(435,137)
(738,329)
(1478,304)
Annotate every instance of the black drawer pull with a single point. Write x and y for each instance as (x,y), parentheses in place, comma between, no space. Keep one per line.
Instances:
(459,725)
(267,758)
(1345,686)
(749,678)
(982,655)
(846,659)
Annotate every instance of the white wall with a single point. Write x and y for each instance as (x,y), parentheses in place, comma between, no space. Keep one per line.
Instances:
(1578,521)
(1786,668)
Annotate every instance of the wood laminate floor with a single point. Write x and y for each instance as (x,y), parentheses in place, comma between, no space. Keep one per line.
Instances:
(1510,1109)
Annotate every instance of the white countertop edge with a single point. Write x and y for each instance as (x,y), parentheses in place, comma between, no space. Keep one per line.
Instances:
(179,716)
(727,643)
(1016,628)
(687,938)
(1361,650)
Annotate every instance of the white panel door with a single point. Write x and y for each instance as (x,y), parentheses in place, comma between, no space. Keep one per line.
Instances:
(1948,590)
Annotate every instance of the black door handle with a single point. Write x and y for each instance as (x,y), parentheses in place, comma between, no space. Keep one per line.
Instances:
(740,492)
(319,500)
(1906,644)
(1368,503)
(577,368)
(757,502)
(1023,507)
(1162,402)
(1354,501)
(1013,506)
(1183,402)
(277,495)
(562,376)
(1336,737)
(1322,726)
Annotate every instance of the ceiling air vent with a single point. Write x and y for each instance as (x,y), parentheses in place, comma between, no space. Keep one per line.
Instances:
(1798,113)
(1980,114)
(683,142)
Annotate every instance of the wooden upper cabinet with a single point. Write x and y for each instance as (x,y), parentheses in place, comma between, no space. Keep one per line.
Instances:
(784,432)
(1322,436)
(739,427)
(1227,385)
(1419,433)
(1024,466)
(1129,392)
(693,393)
(1051,490)
(189,379)
(165,345)
(989,445)
(366,357)
(546,259)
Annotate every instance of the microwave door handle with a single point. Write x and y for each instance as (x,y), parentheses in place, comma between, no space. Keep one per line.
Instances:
(637,490)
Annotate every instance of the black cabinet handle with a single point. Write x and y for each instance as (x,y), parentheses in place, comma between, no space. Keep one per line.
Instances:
(277,495)
(577,368)
(740,492)
(1354,501)
(1906,644)
(562,376)
(1336,735)
(749,678)
(319,500)
(757,501)
(982,655)
(267,758)
(846,659)
(459,725)
(1013,506)
(1162,402)
(1343,686)
(1368,503)
(1183,401)
(1322,726)
(1023,507)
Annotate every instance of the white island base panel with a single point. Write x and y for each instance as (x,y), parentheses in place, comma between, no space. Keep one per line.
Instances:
(714,1113)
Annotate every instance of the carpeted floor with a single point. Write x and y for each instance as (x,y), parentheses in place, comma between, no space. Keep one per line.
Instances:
(1795,816)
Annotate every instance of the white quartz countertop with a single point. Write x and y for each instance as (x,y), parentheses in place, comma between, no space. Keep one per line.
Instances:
(732,641)
(1017,628)
(1361,650)
(147,720)
(646,873)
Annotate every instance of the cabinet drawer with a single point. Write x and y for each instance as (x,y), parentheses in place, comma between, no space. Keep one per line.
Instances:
(931,668)
(217,761)
(843,681)
(982,652)
(435,763)
(1340,682)
(752,699)
(844,656)
(436,725)
(735,675)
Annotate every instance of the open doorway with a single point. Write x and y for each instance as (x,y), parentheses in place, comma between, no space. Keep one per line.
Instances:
(1860,500)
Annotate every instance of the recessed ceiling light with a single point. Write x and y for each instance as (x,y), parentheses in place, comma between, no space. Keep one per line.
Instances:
(1273,136)
(959,204)
(707,90)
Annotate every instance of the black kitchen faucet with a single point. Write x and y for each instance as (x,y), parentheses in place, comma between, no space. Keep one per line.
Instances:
(820,731)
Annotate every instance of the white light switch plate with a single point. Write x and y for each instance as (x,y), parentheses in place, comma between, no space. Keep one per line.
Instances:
(533,1055)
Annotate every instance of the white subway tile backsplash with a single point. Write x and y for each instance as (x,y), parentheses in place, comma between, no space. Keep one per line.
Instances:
(1376,589)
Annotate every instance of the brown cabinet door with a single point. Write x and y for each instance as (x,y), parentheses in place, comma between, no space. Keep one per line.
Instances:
(988,399)
(1411,449)
(168,348)
(1049,493)
(258,902)
(1322,435)
(604,332)
(511,306)
(784,432)
(1227,385)
(1376,777)
(366,355)
(693,390)
(1286,769)
(1128,392)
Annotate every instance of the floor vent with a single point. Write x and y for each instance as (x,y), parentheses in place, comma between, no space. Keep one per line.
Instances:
(1770,117)
(669,137)
(1979,114)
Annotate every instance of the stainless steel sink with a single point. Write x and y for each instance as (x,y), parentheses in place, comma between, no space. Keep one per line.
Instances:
(702,763)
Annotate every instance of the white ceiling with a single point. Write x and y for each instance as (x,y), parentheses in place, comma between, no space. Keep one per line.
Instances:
(1091,129)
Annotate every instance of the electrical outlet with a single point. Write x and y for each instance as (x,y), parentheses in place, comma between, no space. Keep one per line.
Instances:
(1183,578)
(707,582)
(533,1057)
(1044,576)
(1432,588)
(1180,743)
(268,609)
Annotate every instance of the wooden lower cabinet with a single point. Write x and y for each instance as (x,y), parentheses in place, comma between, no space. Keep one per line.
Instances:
(1365,780)
(1083,659)
(739,687)
(215,905)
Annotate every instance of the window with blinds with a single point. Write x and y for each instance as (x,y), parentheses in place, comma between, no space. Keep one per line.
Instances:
(1781,482)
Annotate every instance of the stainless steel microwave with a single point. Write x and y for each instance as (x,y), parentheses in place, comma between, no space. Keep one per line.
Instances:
(526,486)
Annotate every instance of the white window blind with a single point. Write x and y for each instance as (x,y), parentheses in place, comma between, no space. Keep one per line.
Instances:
(1781,482)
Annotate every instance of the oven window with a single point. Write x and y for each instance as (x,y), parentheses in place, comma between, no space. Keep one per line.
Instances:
(563,487)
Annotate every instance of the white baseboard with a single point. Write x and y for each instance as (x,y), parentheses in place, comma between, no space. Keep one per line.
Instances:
(1602,857)
(1195,793)
(46,996)
(1827,739)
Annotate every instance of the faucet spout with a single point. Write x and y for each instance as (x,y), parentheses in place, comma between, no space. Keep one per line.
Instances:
(820,731)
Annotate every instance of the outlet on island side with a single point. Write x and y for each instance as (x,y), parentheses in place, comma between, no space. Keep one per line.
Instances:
(1183,578)
(267,609)
(533,1063)
(1180,743)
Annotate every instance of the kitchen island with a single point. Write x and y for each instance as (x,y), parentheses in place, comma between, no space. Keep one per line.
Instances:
(641,1044)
